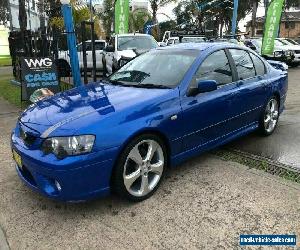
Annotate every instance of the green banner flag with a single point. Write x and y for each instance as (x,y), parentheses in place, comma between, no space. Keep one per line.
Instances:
(121,16)
(271,26)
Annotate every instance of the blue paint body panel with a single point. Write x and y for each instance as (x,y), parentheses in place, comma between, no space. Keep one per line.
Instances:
(116,114)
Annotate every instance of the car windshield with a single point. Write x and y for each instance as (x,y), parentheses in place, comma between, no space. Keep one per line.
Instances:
(155,69)
(192,39)
(279,43)
(136,42)
(291,41)
(276,42)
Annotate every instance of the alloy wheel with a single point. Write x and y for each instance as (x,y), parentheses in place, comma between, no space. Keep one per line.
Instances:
(143,168)
(271,115)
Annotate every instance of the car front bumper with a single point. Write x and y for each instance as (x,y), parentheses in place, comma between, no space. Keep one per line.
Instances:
(73,179)
(297,58)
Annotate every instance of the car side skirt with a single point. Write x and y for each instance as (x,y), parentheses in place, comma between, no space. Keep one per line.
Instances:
(180,158)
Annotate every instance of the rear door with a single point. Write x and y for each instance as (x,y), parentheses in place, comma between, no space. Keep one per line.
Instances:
(252,87)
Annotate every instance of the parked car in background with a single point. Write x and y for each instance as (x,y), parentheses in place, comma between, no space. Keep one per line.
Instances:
(158,110)
(229,40)
(280,53)
(63,62)
(293,47)
(192,39)
(292,41)
(161,44)
(123,48)
(172,41)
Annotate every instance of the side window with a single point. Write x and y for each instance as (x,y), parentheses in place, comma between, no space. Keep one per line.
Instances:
(243,63)
(258,64)
(99,45)
(88,46)
(215,67)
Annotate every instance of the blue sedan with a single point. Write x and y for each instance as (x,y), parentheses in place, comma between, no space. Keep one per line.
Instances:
(158,110)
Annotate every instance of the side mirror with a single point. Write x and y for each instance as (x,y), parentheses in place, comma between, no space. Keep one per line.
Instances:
(202,87)
(207,86)
(109,48)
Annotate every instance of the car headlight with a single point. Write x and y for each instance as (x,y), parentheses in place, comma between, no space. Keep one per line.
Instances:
(278,53)
(68,146)
(289,53)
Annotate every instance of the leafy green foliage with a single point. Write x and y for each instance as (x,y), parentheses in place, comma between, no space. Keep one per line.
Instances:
(107,16)
(193,14)
(137,20)
(4,12)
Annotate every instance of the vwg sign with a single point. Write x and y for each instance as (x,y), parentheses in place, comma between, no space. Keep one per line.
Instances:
(38,62)
(38,73)
(121,16)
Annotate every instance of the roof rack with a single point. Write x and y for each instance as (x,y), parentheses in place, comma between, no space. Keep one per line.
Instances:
(186,33)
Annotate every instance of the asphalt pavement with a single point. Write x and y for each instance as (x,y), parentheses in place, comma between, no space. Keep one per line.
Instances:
(284,145)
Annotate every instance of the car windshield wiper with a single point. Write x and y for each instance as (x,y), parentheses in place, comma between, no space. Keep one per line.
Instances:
(115,82)
(152,86)
(146,85)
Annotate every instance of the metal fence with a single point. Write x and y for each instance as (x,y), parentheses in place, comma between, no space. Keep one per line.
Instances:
(53,44)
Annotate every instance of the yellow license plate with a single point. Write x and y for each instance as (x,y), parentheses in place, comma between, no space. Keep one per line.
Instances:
(17,159)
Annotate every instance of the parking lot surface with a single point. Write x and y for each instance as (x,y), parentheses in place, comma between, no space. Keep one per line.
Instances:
(205,203)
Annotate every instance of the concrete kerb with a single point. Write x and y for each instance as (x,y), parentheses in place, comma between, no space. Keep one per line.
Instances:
(3,242)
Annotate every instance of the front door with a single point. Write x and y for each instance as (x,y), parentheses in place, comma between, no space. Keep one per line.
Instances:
(207,115)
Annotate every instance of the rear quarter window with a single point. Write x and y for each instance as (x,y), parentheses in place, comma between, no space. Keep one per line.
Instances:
(259,65)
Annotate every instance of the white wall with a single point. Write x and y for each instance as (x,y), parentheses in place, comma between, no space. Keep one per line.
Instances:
(33,20)
(4,49)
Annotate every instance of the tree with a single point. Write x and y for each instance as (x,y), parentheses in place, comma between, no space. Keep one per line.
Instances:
(107,16)
(4,11)
(165,26)
(155,5)
(196,14)
(138,19)
(22,16)
(81,14)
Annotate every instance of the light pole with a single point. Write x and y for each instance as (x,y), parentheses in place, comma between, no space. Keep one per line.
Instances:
(71,39)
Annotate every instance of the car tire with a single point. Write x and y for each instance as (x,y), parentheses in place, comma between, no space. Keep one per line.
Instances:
(269,118)
(140,168)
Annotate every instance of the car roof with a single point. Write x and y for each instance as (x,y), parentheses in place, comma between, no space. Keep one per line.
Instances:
(200,46)
(133,34)
(96,41)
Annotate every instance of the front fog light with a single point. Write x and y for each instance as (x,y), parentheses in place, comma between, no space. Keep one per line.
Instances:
(278,53)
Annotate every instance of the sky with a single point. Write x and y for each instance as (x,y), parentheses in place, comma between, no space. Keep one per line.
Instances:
(168,10)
